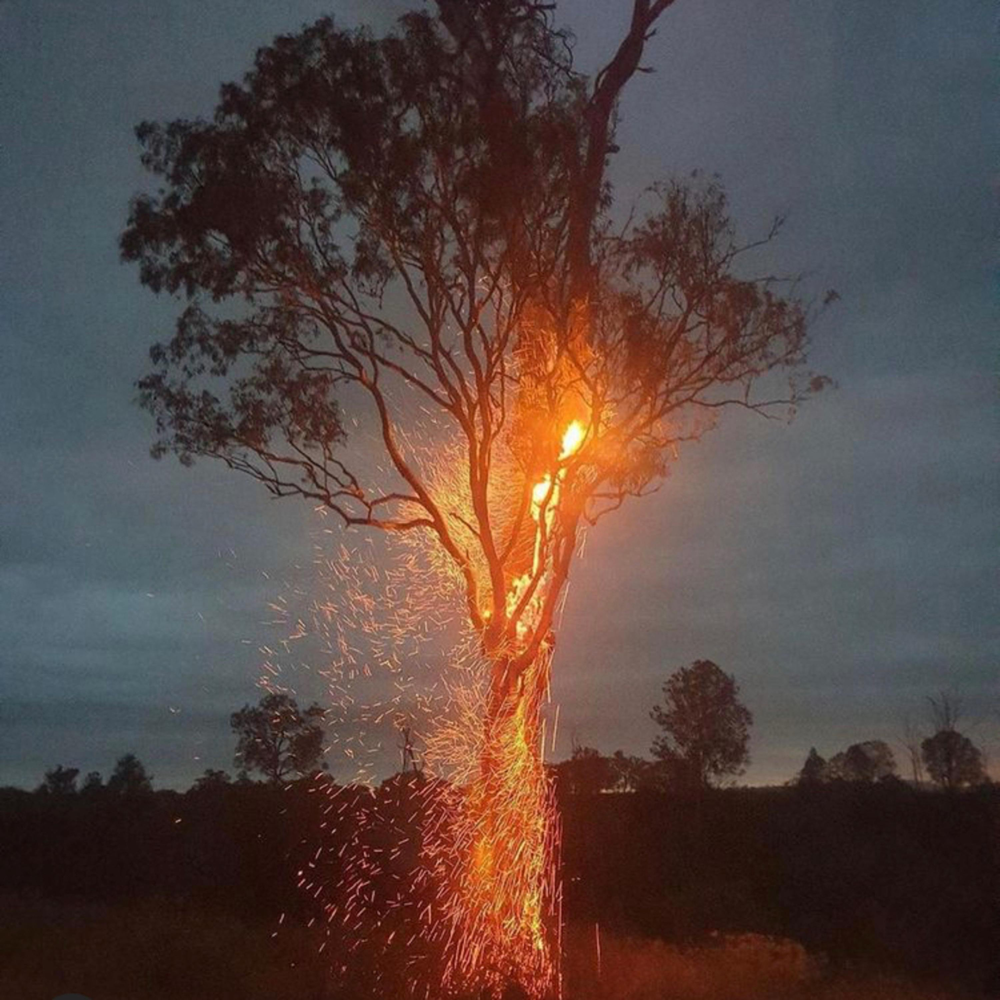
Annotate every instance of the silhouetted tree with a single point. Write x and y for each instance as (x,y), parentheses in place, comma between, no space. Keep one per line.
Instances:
(706,728)
(129,777)
(633,774)
(413,235)
(212,780)
(59,781)
(953,760)
(456,166)
(872,760)
(883,760)
(92,783)
(814,770)
(277,739)
(587,772)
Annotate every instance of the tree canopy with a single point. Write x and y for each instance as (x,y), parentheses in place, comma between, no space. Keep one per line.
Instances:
(60,781)
(813,771)
(412,300)
(414,235)
(872,760)
(129,777)
(276,738)
(952,760)
(706,728)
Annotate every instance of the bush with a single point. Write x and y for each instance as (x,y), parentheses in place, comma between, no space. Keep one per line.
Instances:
(730,967)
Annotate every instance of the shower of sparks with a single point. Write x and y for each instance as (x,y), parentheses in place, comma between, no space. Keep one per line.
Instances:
(444,877)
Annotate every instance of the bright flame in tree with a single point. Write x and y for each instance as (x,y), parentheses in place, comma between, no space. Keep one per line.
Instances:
(572,439)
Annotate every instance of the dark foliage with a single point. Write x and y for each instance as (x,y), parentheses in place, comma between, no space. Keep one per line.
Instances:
(706,728)
(587,772)
(952,760)
(129,778)
(813,770)
(455,166)
(277,738)
(878,875)
(60,781)
(872,760)
(872,875)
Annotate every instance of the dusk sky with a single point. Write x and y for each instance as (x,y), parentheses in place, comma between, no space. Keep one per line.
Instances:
(843,567)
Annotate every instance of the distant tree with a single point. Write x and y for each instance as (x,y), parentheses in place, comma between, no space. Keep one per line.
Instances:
(634,774)
(814,770)
(953,760)
(211,780)
(836,768)
(60,781)
(130,777)
(587,772)
(863,763)
(706,728)
(883,760)
(92,783)
(277,739)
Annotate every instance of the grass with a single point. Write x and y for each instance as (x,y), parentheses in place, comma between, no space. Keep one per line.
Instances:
(151,951)
(160,950)
(733,967)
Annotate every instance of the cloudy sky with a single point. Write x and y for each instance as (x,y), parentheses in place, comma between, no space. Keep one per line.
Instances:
(843,567)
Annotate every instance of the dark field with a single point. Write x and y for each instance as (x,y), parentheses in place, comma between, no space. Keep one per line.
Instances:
(834,893)
(168,951)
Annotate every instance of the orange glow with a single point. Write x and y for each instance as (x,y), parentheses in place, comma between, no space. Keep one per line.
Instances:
(489,830)
(572,440)
(510,883)
(506,890)
(540,491)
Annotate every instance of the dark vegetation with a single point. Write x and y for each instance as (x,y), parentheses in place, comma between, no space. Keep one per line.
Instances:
(716,891)
(871,875)
(874,875)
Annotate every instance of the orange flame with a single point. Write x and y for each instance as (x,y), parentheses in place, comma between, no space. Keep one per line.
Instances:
(572,440)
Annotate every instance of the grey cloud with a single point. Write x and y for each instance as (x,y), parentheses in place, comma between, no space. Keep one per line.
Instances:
(842,567)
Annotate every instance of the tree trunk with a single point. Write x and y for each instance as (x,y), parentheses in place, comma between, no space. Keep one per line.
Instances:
(508,926)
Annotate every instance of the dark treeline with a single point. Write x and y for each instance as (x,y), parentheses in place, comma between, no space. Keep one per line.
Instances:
(878,875)
(871,875)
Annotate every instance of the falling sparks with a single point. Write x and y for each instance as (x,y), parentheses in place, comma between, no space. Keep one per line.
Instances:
(446,875)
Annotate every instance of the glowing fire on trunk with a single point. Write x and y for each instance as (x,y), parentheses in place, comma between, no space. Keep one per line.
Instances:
(483,896)
(506,907)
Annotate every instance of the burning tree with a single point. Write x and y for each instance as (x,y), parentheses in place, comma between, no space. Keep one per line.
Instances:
(414,235)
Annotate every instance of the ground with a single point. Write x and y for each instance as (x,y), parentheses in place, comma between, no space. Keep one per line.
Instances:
(166,951)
